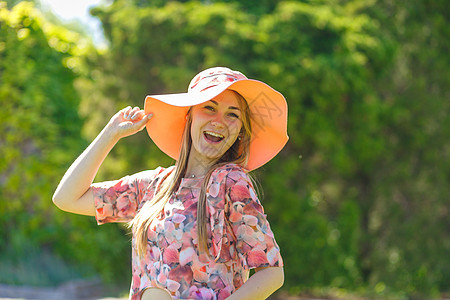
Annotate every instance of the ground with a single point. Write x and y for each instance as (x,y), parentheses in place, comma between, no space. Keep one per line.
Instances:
(80,290)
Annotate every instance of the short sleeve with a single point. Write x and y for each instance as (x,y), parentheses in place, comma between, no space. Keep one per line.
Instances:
(118,200)
(255,241)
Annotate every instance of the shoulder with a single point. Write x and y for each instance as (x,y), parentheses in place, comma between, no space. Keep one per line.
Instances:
(233,176)
(132,180)
(222,178)
(147,177)
(151,174)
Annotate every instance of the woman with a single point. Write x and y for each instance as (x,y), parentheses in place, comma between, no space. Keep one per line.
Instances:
(198,227)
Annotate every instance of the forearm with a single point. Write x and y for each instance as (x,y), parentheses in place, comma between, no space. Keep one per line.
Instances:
(78,178)
(261,285)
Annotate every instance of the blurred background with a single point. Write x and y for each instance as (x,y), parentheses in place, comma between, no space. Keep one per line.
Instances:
(359,197)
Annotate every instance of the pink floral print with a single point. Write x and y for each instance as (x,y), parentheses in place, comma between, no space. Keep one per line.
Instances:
(239,235)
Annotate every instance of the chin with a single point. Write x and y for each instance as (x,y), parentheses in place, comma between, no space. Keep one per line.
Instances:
(212,157)
(212,154)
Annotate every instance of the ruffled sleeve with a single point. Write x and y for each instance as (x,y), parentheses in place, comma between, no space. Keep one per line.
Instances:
(234,206)
(119,200)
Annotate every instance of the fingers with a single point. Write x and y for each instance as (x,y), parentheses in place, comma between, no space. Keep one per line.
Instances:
(136,114)
(126,111)
(128,121)
(145,118)
(133,114)
(130,113)
(141,123)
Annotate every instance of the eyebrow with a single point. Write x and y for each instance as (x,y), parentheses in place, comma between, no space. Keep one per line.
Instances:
(230,107)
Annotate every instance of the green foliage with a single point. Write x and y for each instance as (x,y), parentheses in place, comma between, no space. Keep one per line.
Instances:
(350,153)
(358,198)
(40,135)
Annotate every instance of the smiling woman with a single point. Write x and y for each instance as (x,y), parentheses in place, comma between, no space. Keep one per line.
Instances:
(198,227)
(215,127)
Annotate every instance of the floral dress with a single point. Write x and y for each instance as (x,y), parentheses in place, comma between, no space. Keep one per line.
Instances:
(239,235)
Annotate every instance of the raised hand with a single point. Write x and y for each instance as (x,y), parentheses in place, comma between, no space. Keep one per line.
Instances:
(73,193)
(127,121)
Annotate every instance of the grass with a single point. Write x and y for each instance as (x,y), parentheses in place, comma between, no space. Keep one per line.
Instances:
(36,267)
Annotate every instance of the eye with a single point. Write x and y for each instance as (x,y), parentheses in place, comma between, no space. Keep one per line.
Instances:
(209,107)
(233,115)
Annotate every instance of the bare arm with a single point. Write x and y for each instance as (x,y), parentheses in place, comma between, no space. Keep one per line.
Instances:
(261,285)
(73,193)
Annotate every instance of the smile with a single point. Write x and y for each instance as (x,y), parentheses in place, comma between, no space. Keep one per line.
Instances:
(213,137)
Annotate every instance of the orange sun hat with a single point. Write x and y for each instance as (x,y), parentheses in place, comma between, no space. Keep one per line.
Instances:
(268,109)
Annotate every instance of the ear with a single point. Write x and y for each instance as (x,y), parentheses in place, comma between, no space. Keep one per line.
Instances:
(241,133)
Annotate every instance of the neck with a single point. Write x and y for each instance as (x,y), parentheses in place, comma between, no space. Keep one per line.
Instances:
(197,166)
(196,169)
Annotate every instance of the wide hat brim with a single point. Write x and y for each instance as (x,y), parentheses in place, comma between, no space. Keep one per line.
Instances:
(268,110)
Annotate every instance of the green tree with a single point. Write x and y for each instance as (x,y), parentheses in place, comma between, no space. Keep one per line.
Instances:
(413,188)
(40,136)
(346,169)
(359,195)
(324,72)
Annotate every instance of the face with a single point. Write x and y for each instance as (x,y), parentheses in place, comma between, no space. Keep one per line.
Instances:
(215,127)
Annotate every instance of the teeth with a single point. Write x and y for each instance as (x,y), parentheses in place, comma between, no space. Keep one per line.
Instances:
(214,134)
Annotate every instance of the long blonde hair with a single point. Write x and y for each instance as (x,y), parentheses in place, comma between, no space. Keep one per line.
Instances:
(237,153)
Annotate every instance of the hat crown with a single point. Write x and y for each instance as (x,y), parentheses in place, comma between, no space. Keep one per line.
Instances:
(213,77)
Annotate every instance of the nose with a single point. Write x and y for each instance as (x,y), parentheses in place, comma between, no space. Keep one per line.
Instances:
(217,122)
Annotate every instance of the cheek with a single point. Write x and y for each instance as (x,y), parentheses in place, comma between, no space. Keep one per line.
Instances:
(235,127)
(194,132)
(196,129)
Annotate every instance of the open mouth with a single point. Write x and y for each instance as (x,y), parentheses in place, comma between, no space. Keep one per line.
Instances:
(213,137)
